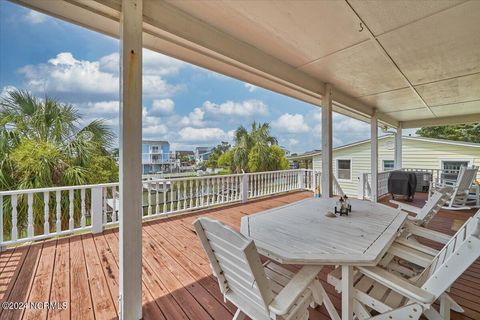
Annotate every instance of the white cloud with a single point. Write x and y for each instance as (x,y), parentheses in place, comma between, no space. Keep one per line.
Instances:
(159,129)
(34,17)
(194,118)
(104,107)
(202,134)
(243,109)
(66,74)
(250,87)
(162,107)
(291,123)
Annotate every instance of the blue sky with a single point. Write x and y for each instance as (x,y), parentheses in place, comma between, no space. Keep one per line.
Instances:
(182,103)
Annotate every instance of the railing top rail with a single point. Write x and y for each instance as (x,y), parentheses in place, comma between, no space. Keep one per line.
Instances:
(115,184)
(274,171)
(192,178)
(52,189)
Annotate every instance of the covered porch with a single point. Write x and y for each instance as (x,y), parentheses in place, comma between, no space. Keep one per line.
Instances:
(356,60)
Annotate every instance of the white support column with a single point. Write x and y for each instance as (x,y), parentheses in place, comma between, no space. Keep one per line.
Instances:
(327,133)
(374,155)
(347,292)
(130,215)
(398,147)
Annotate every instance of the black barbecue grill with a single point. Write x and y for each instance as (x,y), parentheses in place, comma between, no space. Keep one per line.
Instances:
(402,183)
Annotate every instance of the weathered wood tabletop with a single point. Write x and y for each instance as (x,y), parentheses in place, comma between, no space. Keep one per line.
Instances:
(301,233)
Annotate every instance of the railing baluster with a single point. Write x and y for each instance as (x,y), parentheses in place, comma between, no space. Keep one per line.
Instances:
(191,193)
(184,194)
(207,181)
(203,192)
(229,188)
(196,193)
(179,198)
(71,221)
(104,204)
(46,213)
(222,189)
(58,209)
(114,204)
(269,181)
(214,190)
(149,198)
(171,195)
(30,215)
(14,217)
(83,211)
(157,198)
(165,199)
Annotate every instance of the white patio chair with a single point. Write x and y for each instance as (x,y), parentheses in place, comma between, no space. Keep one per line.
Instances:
(397,298)
(461,192)
(433,205)
(259,291)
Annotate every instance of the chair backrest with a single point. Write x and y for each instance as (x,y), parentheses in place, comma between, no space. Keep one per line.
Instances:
(465,179)
(236,264)
(434,204)
(457,255)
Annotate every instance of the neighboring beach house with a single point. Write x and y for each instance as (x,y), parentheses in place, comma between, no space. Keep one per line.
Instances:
(351,161)
(156,156)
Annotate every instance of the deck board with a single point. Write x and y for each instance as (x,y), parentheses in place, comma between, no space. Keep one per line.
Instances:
(177,283)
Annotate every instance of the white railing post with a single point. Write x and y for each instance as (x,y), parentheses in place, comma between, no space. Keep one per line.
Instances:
(96,209)
(244,187)
(314,181)
(301,179)
(361,187)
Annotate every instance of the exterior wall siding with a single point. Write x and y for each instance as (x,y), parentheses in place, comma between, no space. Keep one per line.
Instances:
(416,154)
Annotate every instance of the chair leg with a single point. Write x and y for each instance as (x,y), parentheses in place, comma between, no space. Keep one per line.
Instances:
(320,296)
(239,315)
(453,304)
(444,307)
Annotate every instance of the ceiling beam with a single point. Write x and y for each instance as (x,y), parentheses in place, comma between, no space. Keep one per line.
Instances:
(470,118)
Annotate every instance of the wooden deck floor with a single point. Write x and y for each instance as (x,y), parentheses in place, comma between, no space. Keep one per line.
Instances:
(177,282)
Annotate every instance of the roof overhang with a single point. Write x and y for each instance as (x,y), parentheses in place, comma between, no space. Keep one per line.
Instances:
(416,64)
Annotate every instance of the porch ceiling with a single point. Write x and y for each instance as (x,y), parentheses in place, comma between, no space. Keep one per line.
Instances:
(418,62)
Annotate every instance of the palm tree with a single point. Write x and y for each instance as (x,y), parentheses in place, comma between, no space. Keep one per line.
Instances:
(43,144)
(30,127)
(254,147)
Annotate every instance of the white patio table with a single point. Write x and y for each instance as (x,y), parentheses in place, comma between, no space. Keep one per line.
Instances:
(300,233)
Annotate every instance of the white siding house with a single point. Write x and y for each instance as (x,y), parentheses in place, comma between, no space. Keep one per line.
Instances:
(351,161)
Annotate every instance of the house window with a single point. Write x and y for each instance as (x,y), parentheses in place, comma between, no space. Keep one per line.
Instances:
(388,165)
(344,169)
(451,168)
(154,149)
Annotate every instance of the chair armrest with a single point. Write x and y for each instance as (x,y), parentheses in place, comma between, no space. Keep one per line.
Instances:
(398,284)
(406,207)
(286,298)
(427,233)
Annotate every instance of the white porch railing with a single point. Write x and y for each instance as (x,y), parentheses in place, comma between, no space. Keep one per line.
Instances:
(365,192)
(34,214)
